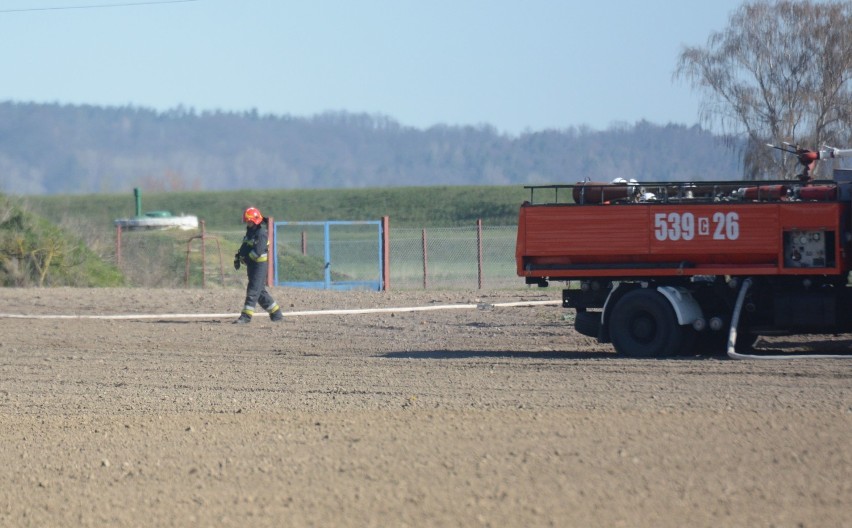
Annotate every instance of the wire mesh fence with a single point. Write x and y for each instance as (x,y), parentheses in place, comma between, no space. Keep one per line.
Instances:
(466,257)
(178,259)
(453,257)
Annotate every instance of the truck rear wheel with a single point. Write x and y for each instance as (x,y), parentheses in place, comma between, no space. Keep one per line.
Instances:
(643,324)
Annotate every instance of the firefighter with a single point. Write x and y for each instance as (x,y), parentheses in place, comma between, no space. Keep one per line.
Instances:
(254,254)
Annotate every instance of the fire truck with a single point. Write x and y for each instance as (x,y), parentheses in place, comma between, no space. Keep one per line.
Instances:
(667,268)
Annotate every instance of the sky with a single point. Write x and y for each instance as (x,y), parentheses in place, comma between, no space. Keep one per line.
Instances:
(518,66)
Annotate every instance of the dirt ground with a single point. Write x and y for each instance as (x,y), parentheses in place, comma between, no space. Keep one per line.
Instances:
(482,416)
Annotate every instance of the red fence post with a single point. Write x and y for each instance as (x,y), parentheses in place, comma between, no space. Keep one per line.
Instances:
(386,253)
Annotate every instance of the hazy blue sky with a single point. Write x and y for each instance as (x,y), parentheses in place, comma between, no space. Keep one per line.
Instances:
(516,65)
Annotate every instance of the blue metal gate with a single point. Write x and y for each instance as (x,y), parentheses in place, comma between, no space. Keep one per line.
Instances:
(339,255)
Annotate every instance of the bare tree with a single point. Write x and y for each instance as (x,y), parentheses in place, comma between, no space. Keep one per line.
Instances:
(780,71)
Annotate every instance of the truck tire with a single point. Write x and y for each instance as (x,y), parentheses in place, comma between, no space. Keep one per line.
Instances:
(588,323)
(644,324)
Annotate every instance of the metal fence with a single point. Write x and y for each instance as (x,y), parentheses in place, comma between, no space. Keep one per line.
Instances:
(467,257)
(453,257)
(170,259)
(338,255)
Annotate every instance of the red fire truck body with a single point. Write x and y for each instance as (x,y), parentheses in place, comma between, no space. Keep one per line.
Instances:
(663,240)
(656,268)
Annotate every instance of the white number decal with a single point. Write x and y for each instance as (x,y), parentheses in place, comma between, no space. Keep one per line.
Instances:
(732,226)
(660,226)
(674,226)
(727,226)
(719,220)
(682,226)
(688,226)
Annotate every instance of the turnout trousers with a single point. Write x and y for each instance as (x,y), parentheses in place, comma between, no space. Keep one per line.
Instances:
(256,289)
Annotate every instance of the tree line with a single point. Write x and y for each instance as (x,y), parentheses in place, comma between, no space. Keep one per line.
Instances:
(781,71)
(68,149)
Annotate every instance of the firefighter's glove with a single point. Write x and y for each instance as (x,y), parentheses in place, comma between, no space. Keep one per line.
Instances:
(237,261)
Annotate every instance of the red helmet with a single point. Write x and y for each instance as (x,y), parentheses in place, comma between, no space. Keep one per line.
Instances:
(252,216)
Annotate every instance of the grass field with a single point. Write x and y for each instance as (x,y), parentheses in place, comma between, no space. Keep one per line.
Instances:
(406,206)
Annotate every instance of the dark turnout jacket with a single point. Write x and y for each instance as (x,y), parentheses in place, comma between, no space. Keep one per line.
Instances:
(255,246)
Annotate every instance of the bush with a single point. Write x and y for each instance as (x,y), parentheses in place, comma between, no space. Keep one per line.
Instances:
(34,252)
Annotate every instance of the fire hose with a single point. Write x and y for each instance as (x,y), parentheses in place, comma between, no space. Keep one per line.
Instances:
(732,336)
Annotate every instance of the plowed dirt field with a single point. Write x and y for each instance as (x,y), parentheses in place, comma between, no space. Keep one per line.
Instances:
(479,415)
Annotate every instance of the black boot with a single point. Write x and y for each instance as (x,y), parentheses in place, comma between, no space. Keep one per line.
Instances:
(244,319)
(276,316)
